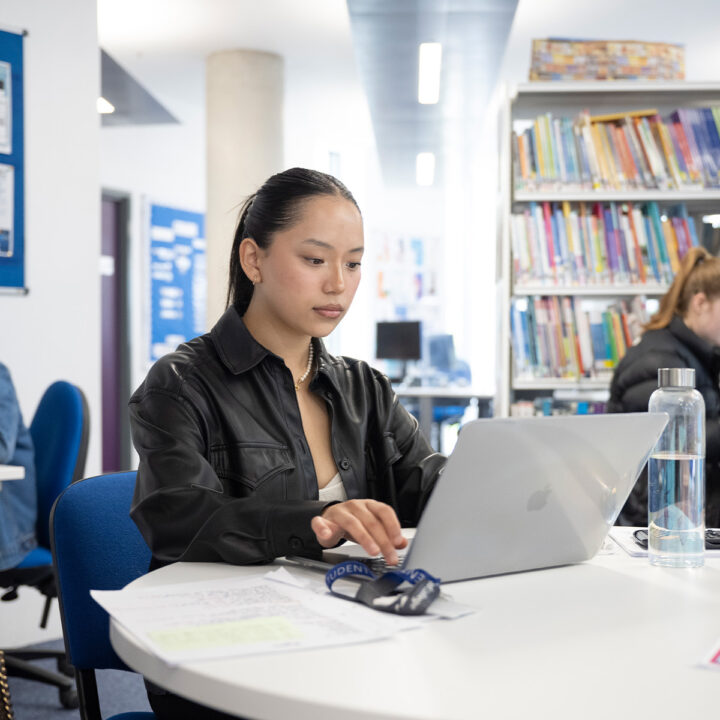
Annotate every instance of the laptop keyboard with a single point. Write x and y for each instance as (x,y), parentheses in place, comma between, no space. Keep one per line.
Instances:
(379,566)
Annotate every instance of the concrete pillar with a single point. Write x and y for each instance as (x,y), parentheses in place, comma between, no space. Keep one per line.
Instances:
(244,129)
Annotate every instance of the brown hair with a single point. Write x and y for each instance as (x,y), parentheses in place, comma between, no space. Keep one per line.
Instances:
(699,272)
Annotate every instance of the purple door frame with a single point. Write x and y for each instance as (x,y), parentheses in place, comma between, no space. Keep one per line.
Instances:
(115,341)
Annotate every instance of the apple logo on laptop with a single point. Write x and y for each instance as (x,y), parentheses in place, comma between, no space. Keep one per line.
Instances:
(538,499)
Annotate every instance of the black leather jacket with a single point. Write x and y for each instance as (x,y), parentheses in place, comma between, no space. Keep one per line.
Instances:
(225,471)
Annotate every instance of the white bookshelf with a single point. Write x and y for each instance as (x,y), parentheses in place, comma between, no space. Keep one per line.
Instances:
(613,291)
(524,103)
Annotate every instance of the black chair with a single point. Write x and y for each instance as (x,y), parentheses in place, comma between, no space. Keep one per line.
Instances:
(59,430)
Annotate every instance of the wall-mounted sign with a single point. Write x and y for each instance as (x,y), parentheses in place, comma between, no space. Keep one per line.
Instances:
(12,164)
(178,281)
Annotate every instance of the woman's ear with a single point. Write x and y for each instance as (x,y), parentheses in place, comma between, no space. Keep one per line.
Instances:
(250,260)
(699,302)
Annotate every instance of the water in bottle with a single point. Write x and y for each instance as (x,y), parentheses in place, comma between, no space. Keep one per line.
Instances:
(676,473)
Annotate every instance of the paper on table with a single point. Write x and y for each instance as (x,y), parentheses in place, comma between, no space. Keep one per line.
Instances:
(712,661)
(235,616)
(443,607)
(623,536)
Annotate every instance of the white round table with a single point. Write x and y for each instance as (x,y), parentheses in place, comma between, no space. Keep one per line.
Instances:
(610,638)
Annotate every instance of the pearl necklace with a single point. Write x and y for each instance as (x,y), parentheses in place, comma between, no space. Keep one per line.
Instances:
(311,355)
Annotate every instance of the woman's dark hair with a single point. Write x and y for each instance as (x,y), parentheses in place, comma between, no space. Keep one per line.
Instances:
(274,207)
(699,272)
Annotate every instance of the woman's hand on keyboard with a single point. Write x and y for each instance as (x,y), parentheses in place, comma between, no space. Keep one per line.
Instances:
(371,524)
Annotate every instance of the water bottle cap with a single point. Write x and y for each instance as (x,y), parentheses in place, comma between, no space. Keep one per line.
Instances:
(676,377)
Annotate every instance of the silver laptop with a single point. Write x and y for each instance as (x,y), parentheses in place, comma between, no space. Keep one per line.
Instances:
(527,493)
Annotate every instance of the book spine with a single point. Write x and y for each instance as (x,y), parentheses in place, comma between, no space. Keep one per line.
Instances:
(653,252)
(656,224)
(671,245)
(685,120)
(555,262)
(679,156)
(647,179)
(640,259)
(610,244)
(584,336)
(545,246)
(559,152)
(610,344)
(519,342)
(662,141)
(714,142)
(628,243)
(586,175)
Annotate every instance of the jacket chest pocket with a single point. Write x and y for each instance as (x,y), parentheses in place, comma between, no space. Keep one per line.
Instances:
(257,467)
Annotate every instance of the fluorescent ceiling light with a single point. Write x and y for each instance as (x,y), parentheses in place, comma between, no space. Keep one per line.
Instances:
(429,73)
(425,168)
(104,107)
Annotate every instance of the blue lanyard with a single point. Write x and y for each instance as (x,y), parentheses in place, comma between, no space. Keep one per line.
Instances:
(397,591)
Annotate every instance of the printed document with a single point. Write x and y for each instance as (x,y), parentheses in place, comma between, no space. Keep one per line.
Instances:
(236,616)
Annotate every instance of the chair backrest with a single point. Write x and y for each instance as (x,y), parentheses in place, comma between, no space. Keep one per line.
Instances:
(95,546)
(59,430)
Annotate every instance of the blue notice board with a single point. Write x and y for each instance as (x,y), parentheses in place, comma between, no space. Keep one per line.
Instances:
(12,163)
(178,281)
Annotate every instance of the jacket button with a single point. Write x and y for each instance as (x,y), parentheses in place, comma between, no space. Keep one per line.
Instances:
(296,543)
(344,464)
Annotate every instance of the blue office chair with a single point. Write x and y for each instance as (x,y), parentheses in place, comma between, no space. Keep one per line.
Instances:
(96,546)
(444,362)
(59,430)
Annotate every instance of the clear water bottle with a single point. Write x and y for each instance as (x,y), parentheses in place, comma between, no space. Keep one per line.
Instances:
(676,473)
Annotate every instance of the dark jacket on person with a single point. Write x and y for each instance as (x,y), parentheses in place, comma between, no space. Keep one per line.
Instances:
(225,470)
(635,379)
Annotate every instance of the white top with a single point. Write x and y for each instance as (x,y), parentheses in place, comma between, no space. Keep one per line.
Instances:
(610,638)
(333,491)
(12,472)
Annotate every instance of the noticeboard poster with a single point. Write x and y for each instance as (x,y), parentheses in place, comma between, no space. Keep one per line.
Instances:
(178,280)
(12,160)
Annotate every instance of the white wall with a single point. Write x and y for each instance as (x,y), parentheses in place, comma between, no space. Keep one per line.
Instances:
(324,111)
(162,164)
(54,332)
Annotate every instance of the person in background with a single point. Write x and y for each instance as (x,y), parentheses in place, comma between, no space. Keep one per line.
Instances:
(18,498)
(685,332)
(254,441)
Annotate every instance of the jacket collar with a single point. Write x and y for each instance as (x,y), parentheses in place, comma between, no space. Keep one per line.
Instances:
(702,349)
(239,351)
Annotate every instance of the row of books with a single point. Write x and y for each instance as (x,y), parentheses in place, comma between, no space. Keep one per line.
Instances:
(544,406)
(570,59)
(599,243)
(558,337)
(623,151)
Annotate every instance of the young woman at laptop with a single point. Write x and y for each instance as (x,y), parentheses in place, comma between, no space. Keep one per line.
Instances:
(685,332)
(254,441)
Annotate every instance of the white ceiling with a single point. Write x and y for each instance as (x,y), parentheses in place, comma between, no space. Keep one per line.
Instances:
(164,43)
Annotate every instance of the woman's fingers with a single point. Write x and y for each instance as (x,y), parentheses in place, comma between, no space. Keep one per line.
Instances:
(371,524)
(327,532)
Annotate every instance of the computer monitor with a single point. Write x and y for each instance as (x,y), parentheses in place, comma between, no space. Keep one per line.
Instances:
(398,340)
